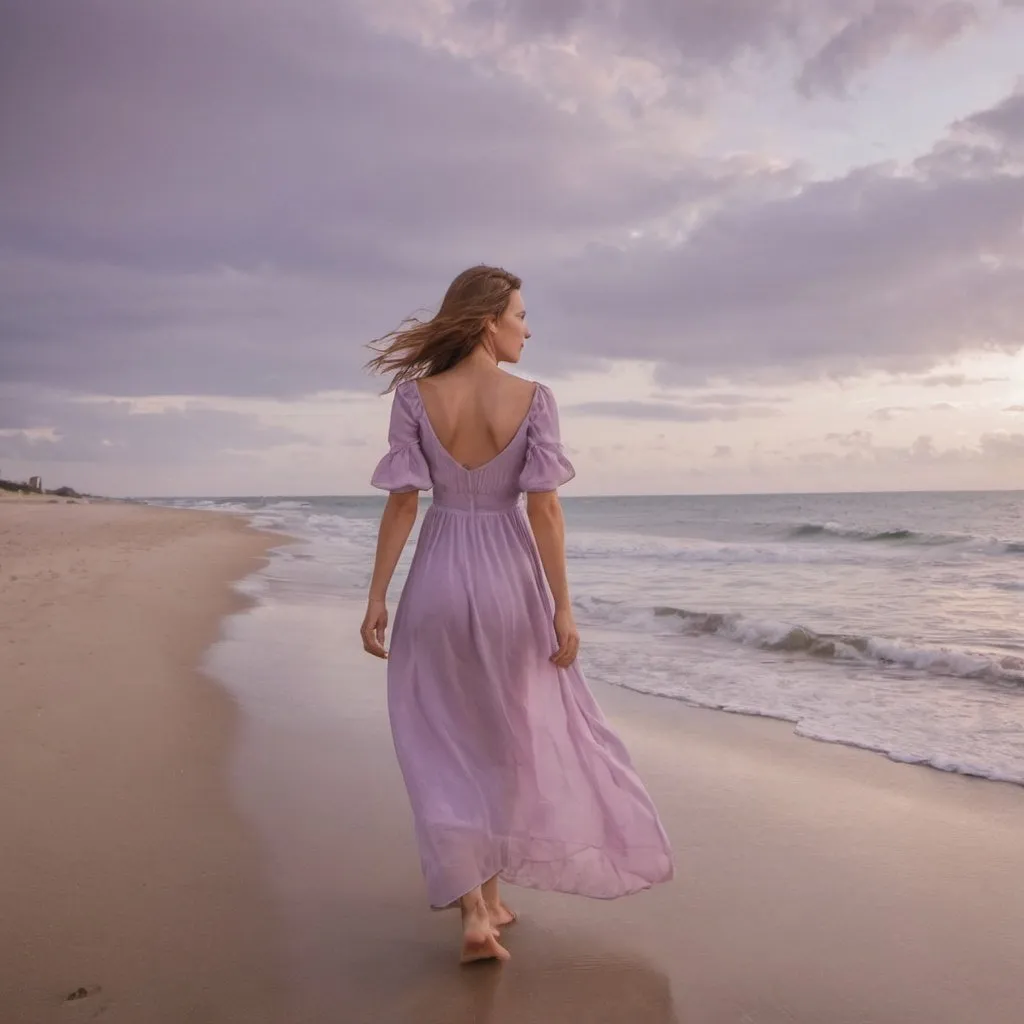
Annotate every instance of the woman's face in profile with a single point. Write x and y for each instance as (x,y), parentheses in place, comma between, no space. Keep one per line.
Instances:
(510,331)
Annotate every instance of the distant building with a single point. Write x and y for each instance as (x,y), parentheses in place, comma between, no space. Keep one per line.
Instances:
(35,483)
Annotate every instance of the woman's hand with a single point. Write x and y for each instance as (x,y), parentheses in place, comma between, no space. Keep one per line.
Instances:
(375,624)
(568,638)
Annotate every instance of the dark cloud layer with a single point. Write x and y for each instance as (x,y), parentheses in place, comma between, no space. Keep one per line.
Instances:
(228,197)
(203,197)
(113,431)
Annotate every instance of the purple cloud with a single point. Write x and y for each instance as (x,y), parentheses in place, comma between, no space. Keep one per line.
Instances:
(114,432)
(221,198)
(866,39)
(829,42)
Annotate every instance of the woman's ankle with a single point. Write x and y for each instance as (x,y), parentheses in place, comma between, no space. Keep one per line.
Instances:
(473,903)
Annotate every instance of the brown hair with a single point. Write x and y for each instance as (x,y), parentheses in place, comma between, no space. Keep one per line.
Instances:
(421,348)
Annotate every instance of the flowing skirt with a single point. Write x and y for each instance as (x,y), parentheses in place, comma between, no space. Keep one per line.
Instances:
(510,766)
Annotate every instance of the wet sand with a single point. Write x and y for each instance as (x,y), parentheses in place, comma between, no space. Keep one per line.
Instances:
(815,883)
(182,862)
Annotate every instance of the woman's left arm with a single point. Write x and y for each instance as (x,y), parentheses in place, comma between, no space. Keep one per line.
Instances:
(396,524)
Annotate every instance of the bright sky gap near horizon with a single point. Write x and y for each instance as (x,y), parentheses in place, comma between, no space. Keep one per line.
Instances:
(767,245)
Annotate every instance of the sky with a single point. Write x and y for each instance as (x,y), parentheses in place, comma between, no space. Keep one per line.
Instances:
(766,245)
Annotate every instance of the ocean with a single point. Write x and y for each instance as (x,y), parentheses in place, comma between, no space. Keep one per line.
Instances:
(891,622)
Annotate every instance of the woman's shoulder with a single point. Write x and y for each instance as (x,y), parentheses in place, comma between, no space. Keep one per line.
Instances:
(513,380)
(509,390)
(543,395)
(525,386)
(533,395)
(408,392)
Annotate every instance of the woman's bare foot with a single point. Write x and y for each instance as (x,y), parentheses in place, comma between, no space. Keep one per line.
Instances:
(500,914)
(479,936)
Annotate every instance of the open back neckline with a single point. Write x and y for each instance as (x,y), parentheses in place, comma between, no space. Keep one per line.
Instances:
(494,458)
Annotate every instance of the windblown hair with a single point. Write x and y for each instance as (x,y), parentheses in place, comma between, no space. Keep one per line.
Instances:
(421,348)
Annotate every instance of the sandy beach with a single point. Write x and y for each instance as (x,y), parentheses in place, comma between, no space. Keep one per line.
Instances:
(128,877)
(183,861)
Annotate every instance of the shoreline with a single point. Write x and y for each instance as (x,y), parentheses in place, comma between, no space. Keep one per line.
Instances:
(923,683)
(815,881)
(792,726)
(130,878)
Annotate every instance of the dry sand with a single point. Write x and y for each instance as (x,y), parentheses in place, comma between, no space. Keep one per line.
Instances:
(124,867)
(816,884)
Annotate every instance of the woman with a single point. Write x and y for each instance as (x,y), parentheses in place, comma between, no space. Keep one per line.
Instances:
(511,769)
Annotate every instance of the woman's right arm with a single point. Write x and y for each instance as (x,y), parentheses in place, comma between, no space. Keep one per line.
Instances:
(403,472)
(396,523)
(544,511)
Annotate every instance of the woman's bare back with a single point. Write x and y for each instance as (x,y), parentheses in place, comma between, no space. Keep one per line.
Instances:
(475,416)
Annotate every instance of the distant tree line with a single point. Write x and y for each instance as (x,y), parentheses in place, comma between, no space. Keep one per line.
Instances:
(34,486)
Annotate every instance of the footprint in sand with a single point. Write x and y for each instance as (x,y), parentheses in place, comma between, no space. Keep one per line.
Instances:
(93,1011)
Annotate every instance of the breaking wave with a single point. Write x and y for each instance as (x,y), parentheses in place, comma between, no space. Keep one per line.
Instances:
(787,638)
(828,531)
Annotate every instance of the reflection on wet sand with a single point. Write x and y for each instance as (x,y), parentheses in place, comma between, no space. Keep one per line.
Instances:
(549,980)
(598,990)
(789,908)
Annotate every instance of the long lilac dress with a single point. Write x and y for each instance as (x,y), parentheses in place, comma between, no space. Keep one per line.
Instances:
(509,763)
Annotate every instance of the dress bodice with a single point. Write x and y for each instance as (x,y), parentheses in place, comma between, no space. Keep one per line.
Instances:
(534,460)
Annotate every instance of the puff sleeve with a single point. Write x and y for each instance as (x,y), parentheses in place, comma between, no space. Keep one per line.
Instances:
(404,467)
(547,467)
